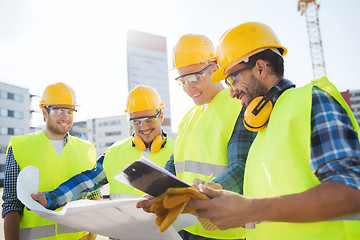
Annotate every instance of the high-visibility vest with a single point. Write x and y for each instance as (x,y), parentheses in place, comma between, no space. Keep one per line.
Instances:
(120,155)
(201,148)
(278,164)
(36,150)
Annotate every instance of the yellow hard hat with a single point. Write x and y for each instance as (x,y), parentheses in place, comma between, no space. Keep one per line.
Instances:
(58,93)
(192,49)
(143,98)
(241,42)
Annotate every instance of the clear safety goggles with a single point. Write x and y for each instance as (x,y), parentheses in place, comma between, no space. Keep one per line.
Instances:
(141,120)
(232,78)
(192,78)
(60,111)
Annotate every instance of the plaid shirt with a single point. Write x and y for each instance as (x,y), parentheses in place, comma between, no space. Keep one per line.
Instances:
(335,151)
(12,170)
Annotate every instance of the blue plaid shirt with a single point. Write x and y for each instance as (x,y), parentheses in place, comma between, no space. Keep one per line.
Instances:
(335,152)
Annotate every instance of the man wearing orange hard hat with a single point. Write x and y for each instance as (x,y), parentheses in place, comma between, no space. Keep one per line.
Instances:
(145,109)
(55,153)
(302,174)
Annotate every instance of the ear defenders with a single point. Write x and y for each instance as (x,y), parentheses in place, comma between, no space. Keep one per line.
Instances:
(157,144)
(258,111)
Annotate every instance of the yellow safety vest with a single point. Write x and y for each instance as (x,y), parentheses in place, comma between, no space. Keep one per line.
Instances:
(201,148)
(278,164)
(36,150)
(120,155)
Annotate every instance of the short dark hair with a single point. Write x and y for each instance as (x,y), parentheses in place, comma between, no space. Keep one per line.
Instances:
(276,62)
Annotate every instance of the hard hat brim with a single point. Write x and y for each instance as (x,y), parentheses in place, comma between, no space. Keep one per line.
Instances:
(218,75)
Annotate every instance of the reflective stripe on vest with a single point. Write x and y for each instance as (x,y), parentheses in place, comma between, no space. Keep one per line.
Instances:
(37,232)
(200,168)
(201,148)
(278,164)
(36,150)
(121,154)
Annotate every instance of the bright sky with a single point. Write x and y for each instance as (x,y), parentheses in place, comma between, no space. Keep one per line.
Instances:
(83,42)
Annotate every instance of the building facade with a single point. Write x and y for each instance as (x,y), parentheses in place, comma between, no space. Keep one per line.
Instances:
(14,118)
(148,65)
(355,103)
(102,132)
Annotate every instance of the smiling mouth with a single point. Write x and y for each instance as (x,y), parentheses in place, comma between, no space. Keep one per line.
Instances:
(147,132)
(63,124)
(196,95)
(240,95)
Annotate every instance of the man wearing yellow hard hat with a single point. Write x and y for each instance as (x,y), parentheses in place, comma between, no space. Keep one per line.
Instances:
(302,175)
(211,138)
(145,109)
(55,153)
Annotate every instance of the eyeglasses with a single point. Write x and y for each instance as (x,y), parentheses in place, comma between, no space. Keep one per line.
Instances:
(140,120)
(192,78)
(235,76)
(62,111)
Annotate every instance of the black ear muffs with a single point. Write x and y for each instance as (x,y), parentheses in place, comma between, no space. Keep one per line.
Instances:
(258,111)
(158,143)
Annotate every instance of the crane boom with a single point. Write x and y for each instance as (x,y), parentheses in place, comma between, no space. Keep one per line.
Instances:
(310,8)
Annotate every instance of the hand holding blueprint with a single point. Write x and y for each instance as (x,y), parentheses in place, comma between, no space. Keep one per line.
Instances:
(116,218)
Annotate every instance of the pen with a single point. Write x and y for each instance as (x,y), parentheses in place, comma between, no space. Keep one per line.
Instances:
(210,177)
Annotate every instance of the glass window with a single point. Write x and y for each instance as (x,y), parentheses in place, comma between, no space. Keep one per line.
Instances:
(10,96)
(3,149)
(18,131)
(18,97)
(10,113)
(3,131)
(18,115)
(3,94)
(3,112)
(113,133)
(10,131)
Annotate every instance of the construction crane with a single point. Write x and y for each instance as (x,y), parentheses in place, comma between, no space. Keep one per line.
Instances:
(311,8)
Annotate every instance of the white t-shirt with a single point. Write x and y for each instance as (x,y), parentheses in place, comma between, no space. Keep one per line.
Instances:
(58,146)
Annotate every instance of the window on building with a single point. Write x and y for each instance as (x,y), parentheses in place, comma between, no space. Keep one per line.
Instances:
(10,96)
(3,149)
(18,97)
(3,94)
(18,115)
(3,131)
(10,131)
(113,133)
(10,113)
(18,131)
(106,144)
(3,112)
(109,123)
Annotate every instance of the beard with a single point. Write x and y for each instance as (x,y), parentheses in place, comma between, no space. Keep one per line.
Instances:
(257,89)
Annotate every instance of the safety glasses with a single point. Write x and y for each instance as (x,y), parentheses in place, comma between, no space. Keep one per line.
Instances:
(192,78)
(59,111)
(140,120)
(232,78)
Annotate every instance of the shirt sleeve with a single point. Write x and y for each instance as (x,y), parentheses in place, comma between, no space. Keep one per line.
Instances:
(12,170)
(335,148)
(170,166)
(238,148)
(78,186)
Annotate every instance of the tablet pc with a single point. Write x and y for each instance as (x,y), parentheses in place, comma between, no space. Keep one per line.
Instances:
(149,177)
